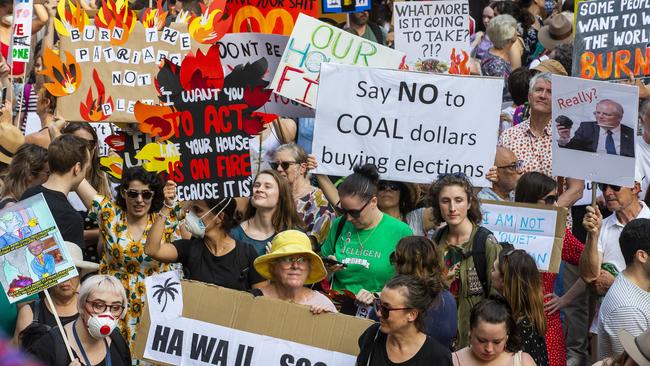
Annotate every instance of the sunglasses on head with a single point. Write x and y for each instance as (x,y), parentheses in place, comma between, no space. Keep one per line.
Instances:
(146,195)
(284,164)
(392,186)
(355,214)
(383,310)
(603,187)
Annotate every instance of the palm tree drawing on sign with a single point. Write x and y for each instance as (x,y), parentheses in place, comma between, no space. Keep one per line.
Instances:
(166,290)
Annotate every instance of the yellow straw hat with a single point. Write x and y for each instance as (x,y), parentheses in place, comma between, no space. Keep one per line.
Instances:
(288,243)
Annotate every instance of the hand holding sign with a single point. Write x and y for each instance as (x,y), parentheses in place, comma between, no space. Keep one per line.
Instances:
(169,192)
(593,220)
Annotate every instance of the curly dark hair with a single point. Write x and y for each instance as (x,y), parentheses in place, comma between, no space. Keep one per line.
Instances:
(474,213)
(564,55)
(148,178)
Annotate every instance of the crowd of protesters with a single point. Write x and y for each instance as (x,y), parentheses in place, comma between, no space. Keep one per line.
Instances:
(439,286)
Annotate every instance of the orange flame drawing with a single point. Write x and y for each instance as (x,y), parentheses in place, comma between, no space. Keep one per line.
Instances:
(116,14)
(72,16)
(65,76)
(154,18)
(211,25)
(156,120)
(93,109)
(459,66)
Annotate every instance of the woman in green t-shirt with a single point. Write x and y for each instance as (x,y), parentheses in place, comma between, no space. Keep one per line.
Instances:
(455,203)
(366,237)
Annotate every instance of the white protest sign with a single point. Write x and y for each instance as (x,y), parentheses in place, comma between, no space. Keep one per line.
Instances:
(367,115)
(537,229)
(313,42)
(240,48)
(21,34)
(434,35)
(597,122)
(164,296)
(33,256)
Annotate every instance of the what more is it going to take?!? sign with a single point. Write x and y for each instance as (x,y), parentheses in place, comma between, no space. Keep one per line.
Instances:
(368,115)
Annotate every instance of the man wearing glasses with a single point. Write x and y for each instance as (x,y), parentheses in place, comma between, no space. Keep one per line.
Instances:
(504,176)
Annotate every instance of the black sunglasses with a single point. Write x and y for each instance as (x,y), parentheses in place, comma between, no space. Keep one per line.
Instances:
(284,164)
(355,214)
(550,200)
(132,193)
(603,187)
(383,310)
(392,186)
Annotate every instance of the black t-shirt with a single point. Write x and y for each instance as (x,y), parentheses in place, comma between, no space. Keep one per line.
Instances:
(373,343)
(43,315)
(50,350)
(67,219)
(233,270)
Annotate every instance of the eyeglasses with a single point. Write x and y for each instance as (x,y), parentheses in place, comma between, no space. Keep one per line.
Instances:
(517,165)
(133,193)
(388,186)
(383,310)
(284,164)
(355,214)
(603,187)
(289,261)
(550,200)
(99,307)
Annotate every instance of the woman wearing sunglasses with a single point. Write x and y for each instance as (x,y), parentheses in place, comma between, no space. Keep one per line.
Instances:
(400,336)
(363,237)
(290,161)
(455,203)
(124,225)
(211,255)
(93,336)
(535,187)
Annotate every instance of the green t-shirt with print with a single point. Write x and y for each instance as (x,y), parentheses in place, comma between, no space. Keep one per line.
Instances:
(366,252)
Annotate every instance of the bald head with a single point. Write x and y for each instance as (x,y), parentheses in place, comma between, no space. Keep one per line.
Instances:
(504,156)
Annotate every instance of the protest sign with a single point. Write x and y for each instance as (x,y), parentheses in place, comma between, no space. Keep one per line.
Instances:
(594,128)
(240,48)
(368,115)
(345,6)
(269,16)
(314,42)
(537,229)
(434,35)
(237,330)
(611,39)
(21,34)
(33,256)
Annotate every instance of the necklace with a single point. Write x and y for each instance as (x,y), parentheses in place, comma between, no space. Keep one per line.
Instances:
(361,242)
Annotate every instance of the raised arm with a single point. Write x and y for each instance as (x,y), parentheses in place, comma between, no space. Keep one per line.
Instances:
(324,182)
(590,258)
(154,246)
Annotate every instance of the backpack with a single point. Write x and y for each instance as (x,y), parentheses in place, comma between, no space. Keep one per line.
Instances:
(478,252)
(377,32)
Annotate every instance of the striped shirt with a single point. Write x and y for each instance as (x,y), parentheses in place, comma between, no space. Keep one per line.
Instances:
(626,306)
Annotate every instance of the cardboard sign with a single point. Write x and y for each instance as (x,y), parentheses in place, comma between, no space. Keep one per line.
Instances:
(537,229)
(345,6)
(116,77)
(240,48)
(269,16)
(21,35)
(314,42)
(368,115)
(599,121)
(237,330)
(434,35)
(33,256)
(611,39)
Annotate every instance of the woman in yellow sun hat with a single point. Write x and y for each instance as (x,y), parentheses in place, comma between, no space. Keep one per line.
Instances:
(290,265)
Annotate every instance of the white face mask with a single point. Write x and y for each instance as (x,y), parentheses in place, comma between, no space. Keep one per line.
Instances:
(101,325)
(195,224)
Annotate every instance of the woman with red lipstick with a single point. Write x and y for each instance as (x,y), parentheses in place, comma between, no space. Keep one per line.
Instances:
(455,203)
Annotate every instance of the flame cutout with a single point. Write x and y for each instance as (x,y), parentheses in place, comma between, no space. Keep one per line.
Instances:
(183,16)
(158,157)
(92,110)
(116,14)
(154,18)
(211,25)
(201,71)
(66,77)
(153,122)
(459,66)
(112,165)
(74,18)
(116,142)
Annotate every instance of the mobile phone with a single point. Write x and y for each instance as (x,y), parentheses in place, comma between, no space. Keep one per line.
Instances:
(564,121)
(333,262)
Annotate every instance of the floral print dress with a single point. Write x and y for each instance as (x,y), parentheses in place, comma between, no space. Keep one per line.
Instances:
(124,257)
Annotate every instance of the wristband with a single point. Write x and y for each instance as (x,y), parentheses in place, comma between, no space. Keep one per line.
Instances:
(169,206)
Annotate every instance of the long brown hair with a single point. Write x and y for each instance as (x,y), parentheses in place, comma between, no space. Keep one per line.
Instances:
(94,175)
(27,163)
(456,179)
(522,287)
(285,216)
(417,256)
